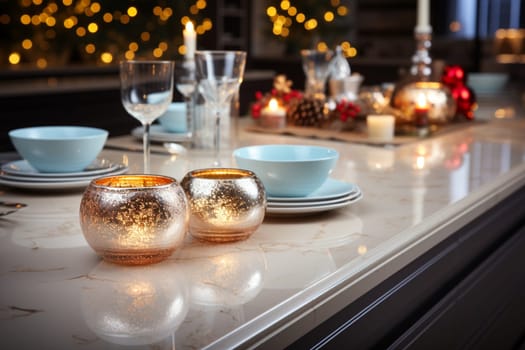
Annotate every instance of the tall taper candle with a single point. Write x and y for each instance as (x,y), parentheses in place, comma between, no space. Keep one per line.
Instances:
(190,40)
(423,17)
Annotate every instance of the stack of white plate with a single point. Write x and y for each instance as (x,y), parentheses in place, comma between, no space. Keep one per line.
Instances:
(333,194)
(21,174)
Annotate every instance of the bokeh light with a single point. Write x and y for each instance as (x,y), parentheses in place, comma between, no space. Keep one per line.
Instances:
(14,58)
(90,48)
(50,32)
(106,57)
(27,44)
(304,23)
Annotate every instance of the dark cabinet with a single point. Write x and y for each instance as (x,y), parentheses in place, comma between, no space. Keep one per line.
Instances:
(468,292)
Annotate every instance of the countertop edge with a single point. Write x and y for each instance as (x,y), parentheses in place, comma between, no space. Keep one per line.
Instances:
(306,310)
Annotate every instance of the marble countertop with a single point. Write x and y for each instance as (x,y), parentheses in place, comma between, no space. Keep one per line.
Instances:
(292,274)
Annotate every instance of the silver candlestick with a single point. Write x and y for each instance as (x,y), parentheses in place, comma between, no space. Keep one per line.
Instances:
(421,61)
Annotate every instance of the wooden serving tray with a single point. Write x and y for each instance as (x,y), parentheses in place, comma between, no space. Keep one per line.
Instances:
(356,135)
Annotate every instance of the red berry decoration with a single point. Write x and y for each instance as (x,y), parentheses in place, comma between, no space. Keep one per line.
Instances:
(454,78)
(347,109)
(256,110)
(281,91)
(465,101)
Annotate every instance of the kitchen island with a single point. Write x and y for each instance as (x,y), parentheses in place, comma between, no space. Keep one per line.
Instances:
(437,236)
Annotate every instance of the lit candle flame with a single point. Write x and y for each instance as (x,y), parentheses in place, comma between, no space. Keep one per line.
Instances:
(273,105)
(421,101)
(189,27)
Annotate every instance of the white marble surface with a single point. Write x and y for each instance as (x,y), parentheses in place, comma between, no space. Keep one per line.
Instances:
(292,274)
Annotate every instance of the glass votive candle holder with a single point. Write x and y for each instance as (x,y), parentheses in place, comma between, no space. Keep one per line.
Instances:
(134,219)
(226,204)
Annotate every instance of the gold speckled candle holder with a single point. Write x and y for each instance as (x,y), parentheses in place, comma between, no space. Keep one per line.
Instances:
(226,204)
(134,219)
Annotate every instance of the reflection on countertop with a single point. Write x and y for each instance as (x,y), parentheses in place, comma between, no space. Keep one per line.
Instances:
(57,294)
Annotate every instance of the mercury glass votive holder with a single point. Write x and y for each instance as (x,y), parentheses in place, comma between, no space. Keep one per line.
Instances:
(134,219)
(226,204)
(441,104)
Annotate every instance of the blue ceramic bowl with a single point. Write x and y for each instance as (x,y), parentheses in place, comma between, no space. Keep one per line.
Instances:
(59,149)
(288,170)
(487,83)
(174,119)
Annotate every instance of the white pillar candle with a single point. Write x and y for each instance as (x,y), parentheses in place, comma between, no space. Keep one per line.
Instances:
(423,17)
(190,39)
(380,127)
(273,115)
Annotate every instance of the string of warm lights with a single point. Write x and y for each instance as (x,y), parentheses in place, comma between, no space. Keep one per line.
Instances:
(306,17)
(57,32)
(44,33)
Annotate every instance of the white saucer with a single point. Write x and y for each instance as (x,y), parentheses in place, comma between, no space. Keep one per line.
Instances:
(21,168)
(113,170)
(330,189)
(348,197)
(311,209)
(158,134)
(56,183)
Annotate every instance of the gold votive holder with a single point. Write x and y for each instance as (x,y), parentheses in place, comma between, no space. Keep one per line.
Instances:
(226,204)
(134,219)
(441,104)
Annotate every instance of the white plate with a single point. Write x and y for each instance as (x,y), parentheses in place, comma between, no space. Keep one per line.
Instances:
(311,203)
(330,189)
(158,134)
(307,209)
(23,168)
(56,184)
(24,178)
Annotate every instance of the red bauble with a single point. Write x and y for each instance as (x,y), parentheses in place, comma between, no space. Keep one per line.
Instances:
(453,76)
(256,110)
(465,101)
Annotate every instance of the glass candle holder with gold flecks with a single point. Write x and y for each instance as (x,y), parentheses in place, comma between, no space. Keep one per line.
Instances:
(134,219)
(226,204)
(440,105)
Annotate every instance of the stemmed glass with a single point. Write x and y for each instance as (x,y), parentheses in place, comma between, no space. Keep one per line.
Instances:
(220,74)
(186,82)
(146,93)
(316,66)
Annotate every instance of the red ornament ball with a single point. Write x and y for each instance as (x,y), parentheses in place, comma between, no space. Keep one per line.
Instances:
(465,101)
(453,76)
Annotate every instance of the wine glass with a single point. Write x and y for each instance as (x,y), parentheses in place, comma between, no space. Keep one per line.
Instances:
(220,74)
(146,93)
(185,82)
(316,66)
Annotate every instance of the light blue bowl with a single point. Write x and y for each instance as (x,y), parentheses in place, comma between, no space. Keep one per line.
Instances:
(174,119)
(288,170)
(59,149)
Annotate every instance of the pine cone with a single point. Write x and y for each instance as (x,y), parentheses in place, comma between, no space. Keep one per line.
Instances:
(307,112)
